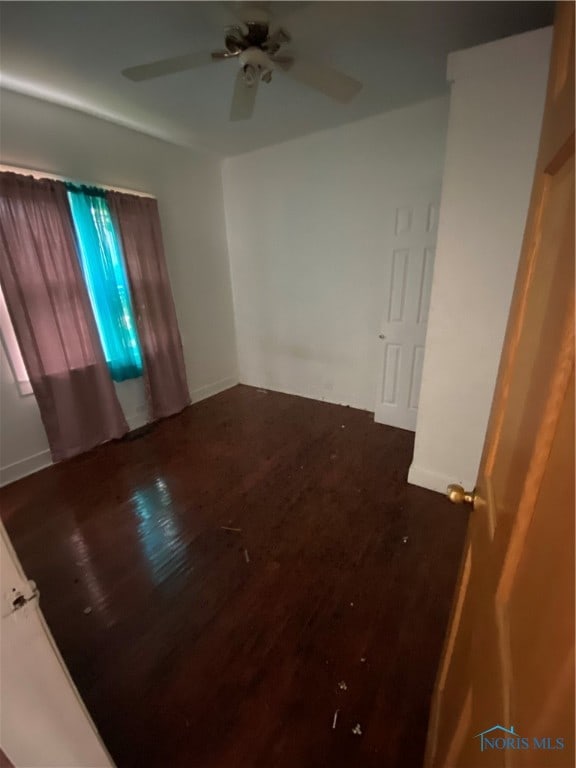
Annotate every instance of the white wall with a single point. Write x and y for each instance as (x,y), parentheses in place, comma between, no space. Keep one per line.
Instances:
(307,223)
(38,135)
(496,110)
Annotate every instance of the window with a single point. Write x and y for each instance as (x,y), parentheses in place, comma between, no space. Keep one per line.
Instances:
(100,257)
(12,350)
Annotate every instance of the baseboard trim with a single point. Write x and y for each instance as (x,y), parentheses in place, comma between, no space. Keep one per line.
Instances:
(137,419)
(427,478)
(19,469)
(319,398)
(202,393)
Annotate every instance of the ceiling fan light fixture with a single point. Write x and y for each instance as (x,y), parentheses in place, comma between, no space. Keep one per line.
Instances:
(251,74)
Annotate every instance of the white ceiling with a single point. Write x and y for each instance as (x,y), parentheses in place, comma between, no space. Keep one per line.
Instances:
(73,52)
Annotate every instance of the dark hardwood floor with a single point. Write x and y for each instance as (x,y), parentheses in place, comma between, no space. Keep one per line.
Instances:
(208,647)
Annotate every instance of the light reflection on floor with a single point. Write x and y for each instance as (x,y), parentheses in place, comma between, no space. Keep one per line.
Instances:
(98,599)
(158,528)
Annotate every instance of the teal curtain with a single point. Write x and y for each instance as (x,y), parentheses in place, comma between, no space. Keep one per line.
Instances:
(103,267)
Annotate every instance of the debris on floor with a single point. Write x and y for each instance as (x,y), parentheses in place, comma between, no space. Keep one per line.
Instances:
(363,659)
(262,391)
(246,556)
(87,610)
(357,731)
(342,685)
(351,605)
(343,426)
(227,528)
(404,539)
(334,719)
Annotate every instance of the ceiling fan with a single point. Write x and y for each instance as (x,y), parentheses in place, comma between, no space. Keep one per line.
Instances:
(258,51)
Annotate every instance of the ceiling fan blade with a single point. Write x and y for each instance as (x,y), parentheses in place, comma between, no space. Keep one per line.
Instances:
(284,62)
(320,77)
(220,55)
(243,99)
(168,66)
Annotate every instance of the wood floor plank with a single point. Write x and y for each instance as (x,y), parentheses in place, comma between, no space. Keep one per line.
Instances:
(198,655)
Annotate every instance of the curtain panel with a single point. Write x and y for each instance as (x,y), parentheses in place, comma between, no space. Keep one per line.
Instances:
(138,223)
(50,310)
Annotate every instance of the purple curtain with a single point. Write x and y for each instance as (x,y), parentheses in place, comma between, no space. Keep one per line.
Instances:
(52,318)
(138,223)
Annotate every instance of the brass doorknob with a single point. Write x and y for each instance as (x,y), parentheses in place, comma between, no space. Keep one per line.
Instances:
(458,495)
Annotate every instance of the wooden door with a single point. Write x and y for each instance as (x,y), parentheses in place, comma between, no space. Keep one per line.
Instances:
(409,263)
(505,689)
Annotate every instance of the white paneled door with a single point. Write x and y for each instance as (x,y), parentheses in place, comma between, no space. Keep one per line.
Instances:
(44,721)
(409,262)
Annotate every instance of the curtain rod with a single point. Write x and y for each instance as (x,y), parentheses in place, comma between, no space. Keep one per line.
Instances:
(45,175)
